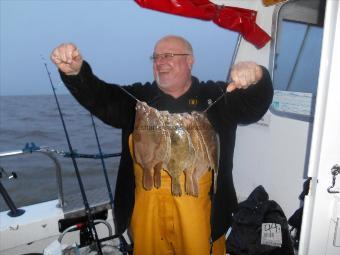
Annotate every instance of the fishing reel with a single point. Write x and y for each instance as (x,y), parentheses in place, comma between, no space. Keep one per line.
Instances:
(113,244)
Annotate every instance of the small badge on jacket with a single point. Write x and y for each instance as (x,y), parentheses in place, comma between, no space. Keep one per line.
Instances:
(193,102)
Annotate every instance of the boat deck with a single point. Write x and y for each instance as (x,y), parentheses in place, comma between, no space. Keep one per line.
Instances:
(98,200)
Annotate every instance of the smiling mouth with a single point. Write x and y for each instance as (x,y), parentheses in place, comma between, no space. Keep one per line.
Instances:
(164,70)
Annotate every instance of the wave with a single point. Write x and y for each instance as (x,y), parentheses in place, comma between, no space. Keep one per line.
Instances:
(36,119)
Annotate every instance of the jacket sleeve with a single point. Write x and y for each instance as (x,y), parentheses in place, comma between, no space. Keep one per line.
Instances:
(106,101)
(246,106)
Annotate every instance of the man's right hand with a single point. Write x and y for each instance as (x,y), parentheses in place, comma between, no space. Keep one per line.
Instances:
(67,58)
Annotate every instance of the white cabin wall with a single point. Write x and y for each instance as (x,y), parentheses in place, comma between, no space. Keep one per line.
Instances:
(274,154)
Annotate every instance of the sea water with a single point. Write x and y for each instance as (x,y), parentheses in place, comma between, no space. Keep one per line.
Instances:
(35,119)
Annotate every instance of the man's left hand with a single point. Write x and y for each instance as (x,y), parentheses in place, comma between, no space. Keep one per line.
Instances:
(243,75)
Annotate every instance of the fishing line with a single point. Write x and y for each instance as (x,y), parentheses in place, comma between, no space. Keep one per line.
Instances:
(238,42)
(80,182)
(127,92)
(158,97)
(232,62)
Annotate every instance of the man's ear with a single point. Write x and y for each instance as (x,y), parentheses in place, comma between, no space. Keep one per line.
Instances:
(190,61)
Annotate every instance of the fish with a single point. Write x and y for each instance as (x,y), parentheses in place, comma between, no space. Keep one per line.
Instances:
(176,143)
(151,143)
(200,163)
(210,141)
(181,151)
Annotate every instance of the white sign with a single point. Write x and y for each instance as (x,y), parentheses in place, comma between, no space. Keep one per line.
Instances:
(271,234)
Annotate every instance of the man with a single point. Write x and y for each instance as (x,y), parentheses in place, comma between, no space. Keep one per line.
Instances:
(159,222)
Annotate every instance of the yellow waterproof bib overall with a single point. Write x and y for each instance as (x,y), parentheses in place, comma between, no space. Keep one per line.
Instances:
(163,224)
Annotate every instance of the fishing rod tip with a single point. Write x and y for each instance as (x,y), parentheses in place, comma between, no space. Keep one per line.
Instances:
(42,57)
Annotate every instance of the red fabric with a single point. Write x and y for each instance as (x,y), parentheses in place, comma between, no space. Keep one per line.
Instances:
(200,9)
(236,19)
(244,22)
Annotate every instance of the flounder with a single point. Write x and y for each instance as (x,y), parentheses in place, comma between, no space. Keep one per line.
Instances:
(182,152)
(175,143)
(151,143)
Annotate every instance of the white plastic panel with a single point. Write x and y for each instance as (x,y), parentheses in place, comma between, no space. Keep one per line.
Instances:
(319,223)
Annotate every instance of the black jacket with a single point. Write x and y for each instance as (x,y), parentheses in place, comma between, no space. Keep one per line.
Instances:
(247,233)
(115,107)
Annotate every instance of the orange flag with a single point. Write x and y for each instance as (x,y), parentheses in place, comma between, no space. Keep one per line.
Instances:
(271,2)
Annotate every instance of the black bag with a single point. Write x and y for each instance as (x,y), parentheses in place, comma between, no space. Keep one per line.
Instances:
(296,219)
(248,227)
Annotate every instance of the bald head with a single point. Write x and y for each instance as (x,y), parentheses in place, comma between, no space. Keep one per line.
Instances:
(179,41)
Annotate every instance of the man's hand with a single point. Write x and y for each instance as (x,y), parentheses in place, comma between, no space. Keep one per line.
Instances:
(67,58)
(243,75)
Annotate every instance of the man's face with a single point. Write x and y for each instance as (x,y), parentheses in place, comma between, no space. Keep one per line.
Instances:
(172,72)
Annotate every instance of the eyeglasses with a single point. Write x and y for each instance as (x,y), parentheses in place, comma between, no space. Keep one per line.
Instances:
(166,56)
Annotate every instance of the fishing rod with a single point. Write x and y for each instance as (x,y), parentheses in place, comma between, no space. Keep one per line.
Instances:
(80,182)
(232,61)
(120,236)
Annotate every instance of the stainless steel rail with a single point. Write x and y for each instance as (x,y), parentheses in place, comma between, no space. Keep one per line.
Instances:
(50,154)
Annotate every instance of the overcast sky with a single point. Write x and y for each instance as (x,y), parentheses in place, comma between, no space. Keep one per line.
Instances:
(115,36)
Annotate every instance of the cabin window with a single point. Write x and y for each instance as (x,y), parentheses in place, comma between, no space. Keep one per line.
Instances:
(296,60)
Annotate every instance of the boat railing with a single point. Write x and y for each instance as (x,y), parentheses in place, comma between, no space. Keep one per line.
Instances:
(52,154)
